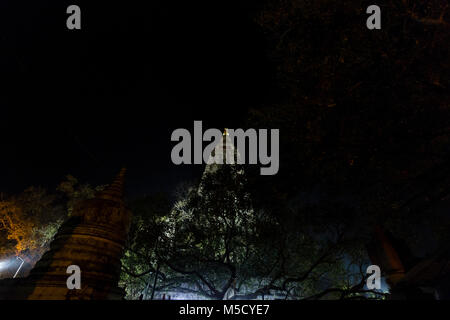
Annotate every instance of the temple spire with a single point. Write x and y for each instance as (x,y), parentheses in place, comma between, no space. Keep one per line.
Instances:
(114,191)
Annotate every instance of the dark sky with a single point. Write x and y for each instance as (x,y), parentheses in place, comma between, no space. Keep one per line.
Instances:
(89,101)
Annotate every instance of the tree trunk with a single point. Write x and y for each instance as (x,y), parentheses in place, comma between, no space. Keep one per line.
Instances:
(154,281)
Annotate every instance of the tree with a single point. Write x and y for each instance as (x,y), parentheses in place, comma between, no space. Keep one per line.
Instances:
(363,116)
(141,267)
(18,227)
(213,240)
(212,233)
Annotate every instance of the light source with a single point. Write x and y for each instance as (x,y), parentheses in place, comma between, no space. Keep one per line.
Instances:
(3,264)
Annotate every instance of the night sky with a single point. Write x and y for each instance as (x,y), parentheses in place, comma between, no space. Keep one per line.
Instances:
(87,102)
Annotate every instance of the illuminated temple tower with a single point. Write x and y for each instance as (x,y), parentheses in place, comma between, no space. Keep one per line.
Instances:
(226,151)
(222,182)
(92,238)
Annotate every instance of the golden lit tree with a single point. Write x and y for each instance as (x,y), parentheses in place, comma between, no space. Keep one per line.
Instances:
(17,226)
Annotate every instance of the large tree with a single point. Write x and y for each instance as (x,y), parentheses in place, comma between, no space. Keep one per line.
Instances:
(363,115)
(213,241)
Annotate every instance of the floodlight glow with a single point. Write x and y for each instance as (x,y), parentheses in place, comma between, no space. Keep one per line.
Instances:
(3,264)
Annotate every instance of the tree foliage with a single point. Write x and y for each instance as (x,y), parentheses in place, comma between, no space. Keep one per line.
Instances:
(212,240)
(18,227)
(363,115)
